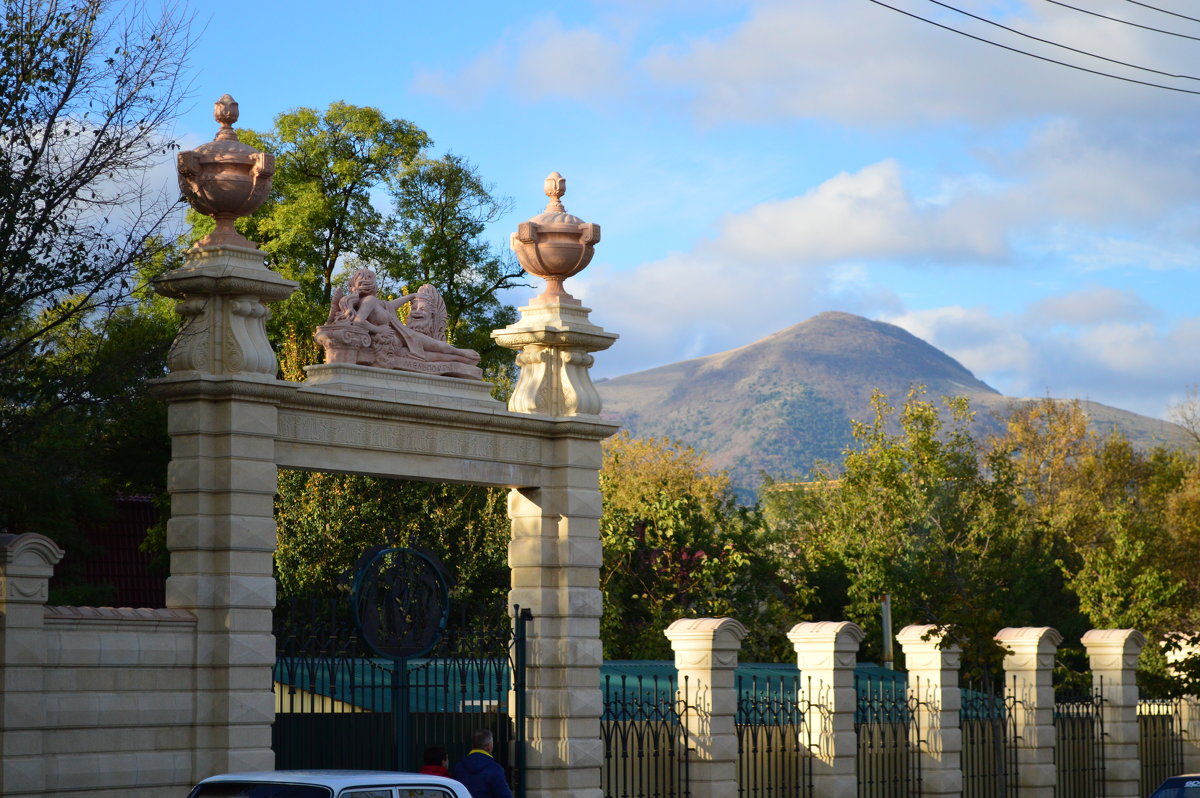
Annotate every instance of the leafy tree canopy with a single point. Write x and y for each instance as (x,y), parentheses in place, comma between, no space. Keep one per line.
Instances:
(677,545)
(87,93)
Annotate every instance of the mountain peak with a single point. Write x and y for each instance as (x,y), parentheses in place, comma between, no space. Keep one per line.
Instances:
(784,403)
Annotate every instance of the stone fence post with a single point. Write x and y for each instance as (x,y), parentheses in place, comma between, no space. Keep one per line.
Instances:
(933,680)
(26,565)
(826,653)
(706,656)
(1113,655)
(1028,671)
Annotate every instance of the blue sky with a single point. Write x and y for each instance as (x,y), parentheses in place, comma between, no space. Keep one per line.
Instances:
(755,163)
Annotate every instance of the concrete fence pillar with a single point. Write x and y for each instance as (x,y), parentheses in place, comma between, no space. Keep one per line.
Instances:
(1029,680)
(933,680)
(1113,655)
(706,657)
(26,565)
(826,653)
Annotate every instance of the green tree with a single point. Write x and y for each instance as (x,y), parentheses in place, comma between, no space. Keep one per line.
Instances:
(326,521)
(1118,519)
(677,545)
(87,94)
(920,515)
(442,211)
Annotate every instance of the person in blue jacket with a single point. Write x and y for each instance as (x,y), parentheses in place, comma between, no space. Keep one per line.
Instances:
(482,775)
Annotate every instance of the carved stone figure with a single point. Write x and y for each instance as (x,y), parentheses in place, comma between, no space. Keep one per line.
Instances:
(366,330)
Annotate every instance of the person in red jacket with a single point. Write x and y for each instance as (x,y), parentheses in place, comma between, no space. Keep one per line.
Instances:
(482,775)
(436,761)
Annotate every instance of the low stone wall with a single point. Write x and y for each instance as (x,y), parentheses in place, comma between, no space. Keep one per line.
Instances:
(91,700)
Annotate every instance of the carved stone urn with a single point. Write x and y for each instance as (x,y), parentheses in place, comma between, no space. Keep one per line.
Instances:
(555,244)
(225,179)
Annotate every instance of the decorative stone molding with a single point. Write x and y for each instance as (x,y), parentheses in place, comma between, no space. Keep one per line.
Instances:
(553,336)
(223,293)
(1113,656)
(826,654)
(933,678)
(26,565)
(706,658)
(1029,669)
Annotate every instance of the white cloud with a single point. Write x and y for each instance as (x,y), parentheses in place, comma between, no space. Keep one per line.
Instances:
(865,214)
(1091,306)
(990,346)
(863,64)
(538,61)
(1069,353)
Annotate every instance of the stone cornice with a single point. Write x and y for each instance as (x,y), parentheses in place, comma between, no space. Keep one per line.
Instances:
(119,614)
(181,386)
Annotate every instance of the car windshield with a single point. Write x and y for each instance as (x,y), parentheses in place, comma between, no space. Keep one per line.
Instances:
(252,789)
(1189,788)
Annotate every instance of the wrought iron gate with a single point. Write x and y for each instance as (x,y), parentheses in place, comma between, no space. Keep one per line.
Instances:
(774,760)
(336,701)
(645,745)
(1079,745)
(889,762)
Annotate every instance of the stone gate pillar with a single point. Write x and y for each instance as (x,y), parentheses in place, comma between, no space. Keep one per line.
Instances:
(1113,656)
(933,679)
(706,659)
(555,552)
(1029,680)
(222,418)
(26,565)
(826,654)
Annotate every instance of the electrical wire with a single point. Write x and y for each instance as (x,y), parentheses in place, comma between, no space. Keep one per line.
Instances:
(1163,10)
(1123,21)
(1034,55)
(1063,46)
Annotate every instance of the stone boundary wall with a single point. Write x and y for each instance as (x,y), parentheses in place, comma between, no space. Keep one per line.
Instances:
(94,700)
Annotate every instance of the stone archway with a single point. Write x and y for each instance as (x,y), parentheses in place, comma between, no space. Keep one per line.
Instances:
(233,424)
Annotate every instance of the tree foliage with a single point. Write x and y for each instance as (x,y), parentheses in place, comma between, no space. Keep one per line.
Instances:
(353,188)
(326,521)
(87,93)
(918,514)
(677,545)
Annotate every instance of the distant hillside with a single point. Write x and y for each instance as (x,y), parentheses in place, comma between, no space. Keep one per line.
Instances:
(782,404)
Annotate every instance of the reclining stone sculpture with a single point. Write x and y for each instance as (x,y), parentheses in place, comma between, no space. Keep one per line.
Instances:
(366,330)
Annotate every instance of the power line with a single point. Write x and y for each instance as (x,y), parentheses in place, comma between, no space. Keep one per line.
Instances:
(1063,46)
(1123,21)
(1033,55)
(1163,10)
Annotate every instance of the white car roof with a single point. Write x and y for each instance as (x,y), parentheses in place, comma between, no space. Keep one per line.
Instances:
(342,779)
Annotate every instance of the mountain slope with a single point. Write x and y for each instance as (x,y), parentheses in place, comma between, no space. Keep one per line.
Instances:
(780,405)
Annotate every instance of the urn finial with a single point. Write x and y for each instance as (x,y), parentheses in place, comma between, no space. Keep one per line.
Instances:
(225,179)
(555,244)
(225,111)
(555,187)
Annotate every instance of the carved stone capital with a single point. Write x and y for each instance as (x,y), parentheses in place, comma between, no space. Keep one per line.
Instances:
(223,293)
(706,642)
(1113,649)
(554,342)
(26,565)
